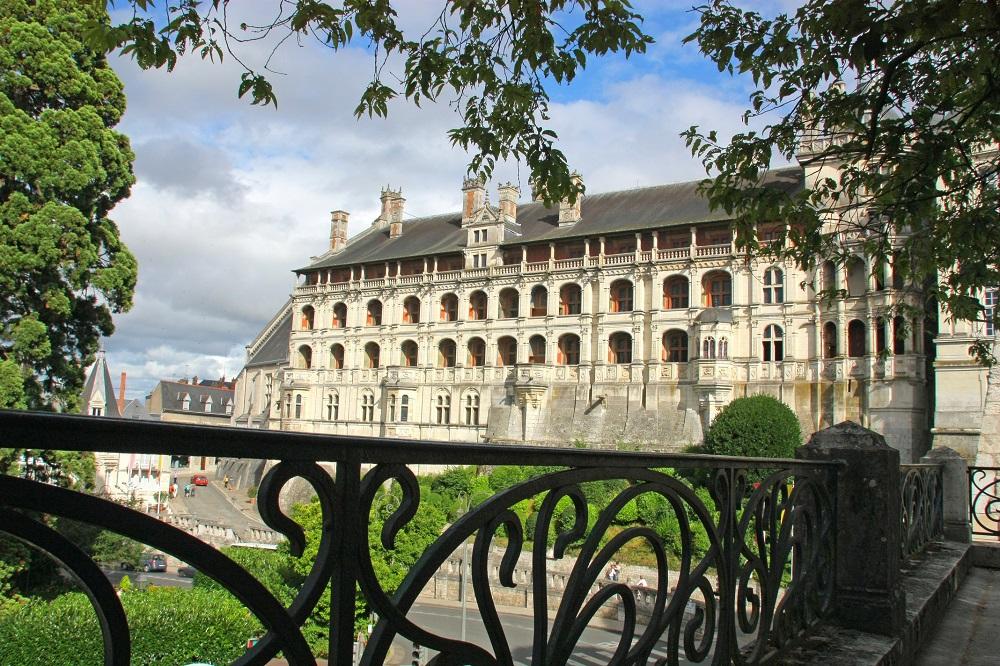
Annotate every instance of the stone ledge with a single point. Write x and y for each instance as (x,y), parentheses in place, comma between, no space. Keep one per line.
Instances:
(930,586)
(986,554)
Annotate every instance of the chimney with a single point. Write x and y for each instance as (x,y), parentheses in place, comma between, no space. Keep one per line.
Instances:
(396,207)
(509,194)
(121,394)
(194,380)
(569,213)
(388,198)
(474,196)
(338,230)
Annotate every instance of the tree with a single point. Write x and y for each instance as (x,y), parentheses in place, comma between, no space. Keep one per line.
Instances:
(63,268)
(757,426)
(494,58)
(894,109)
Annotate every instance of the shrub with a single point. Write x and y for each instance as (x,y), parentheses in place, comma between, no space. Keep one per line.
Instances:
(168,626)
(758,426)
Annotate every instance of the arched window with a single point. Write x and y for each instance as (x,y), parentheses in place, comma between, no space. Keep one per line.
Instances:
(856,342)
(472,408)
(449,307)
(718,288)
(411,310)
(298,406)
(621,296)
(408,351)
(308,316)
(443,408)
(569,299)
(723,347)
(340,315)
(367,407)
(536,349)
(620,348)
(829,340)
(774,343)
(477,305)
(829,276)
(857,279)
(404,408)
(880,336)
(337,356)
(539,301)
(774,285)
(879,275)
(506,351)
(708,347)
(372,353)
(304,358)
(374,317)
(898,335)
(569,350)
(675,292)
(477,352)
(508,303)
(446,354)
(675,346)
(332,407)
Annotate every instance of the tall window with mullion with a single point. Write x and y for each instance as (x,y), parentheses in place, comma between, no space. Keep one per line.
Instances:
(774,343)
(774,285)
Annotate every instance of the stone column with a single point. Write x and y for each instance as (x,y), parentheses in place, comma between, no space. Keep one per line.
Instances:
(955,491)
(869,594)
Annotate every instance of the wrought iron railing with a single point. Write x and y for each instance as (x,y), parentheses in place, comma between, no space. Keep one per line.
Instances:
(761,577)
(984,501)
(922,510)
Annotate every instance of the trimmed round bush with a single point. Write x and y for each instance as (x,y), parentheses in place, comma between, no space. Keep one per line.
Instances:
(757,426)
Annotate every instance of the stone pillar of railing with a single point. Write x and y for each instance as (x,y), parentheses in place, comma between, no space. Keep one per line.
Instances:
(955,492)
(869,596)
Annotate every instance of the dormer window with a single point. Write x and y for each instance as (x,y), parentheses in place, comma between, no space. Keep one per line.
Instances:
(185,401)
(229,406)
(207,404)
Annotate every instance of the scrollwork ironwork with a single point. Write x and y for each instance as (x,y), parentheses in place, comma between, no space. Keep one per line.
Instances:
(984,500)
(922,507)
(749,569)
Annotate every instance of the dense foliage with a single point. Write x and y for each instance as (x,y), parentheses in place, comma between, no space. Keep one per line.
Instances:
(63,268)
(168,626)
(903,97)
(758,426)
(495,58)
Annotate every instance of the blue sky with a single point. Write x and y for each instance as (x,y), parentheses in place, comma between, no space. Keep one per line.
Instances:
(231,197)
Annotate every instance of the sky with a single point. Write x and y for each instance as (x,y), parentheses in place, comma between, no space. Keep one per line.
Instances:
(230,197)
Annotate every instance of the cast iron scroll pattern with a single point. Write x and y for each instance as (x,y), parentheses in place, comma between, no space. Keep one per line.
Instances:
(984,500)
(922,507)
(765,578)
(282,624)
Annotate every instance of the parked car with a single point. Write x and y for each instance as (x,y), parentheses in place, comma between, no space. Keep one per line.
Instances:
(153,562)
(187,572)
(199,480)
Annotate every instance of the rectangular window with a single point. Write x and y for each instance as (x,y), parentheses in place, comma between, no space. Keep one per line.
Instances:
(990,305)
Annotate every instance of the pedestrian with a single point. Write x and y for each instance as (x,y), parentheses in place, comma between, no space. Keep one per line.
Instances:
(171,491)
(187,490)
(225,482)
(642,582)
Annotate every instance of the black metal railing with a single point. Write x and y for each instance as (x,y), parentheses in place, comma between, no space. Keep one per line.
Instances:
(922,507)
(984,501)
(761,578)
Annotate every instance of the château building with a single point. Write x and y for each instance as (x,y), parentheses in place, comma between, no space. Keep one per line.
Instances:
(623,319)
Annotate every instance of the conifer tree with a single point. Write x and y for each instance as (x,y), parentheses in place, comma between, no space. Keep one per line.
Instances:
(63,267)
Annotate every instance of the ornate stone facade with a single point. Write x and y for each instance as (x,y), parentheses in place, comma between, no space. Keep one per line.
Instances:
(625,319)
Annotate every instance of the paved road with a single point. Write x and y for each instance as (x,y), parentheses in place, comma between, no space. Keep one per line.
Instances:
(141,579)
(211,504)
(594,648)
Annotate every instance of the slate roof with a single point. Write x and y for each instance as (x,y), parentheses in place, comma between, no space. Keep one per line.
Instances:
(136,409)
(173,401)
(677,204)
(275,347)
(99,381)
